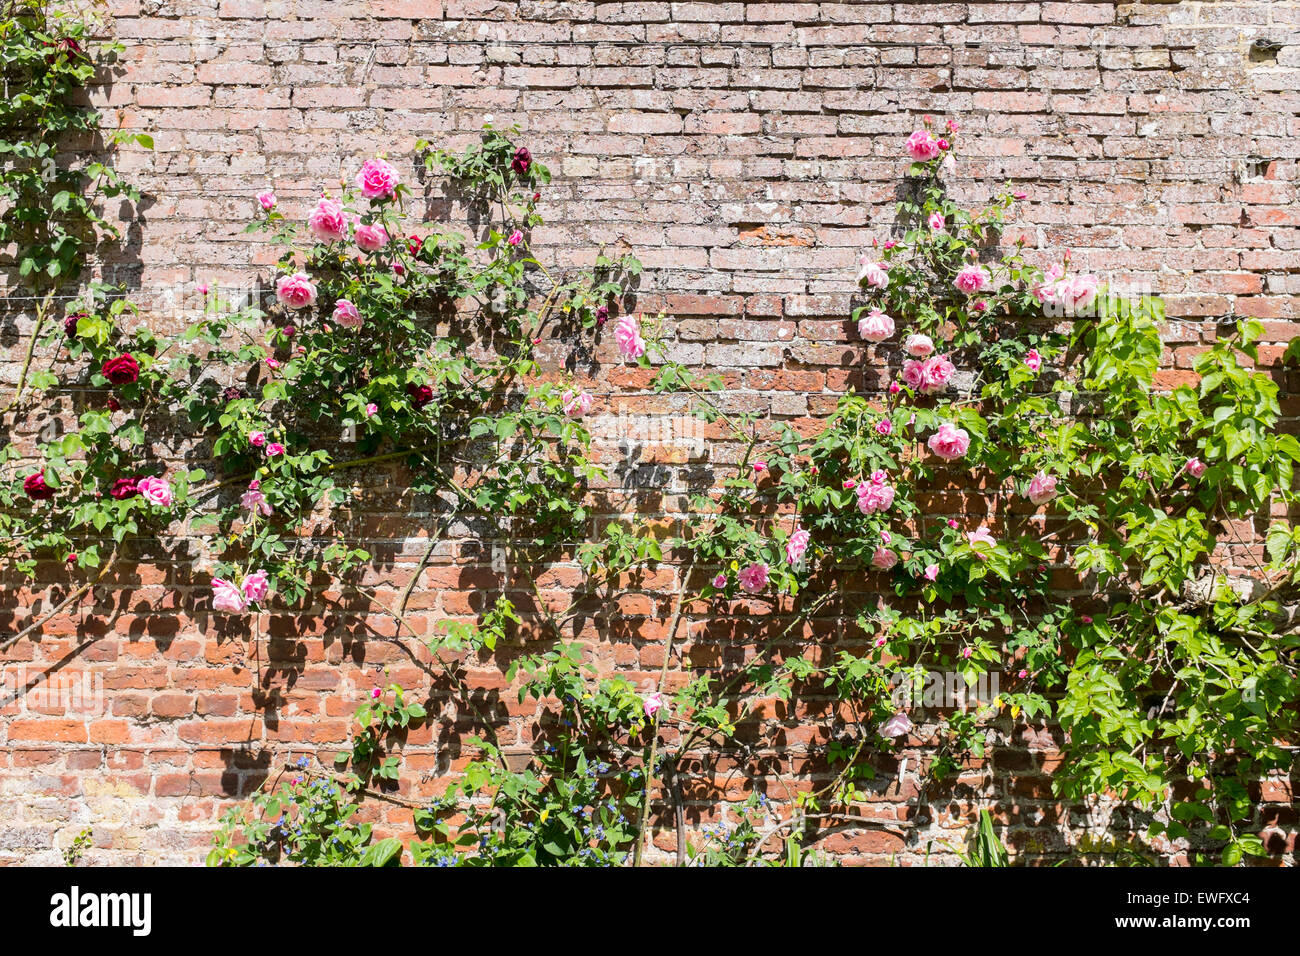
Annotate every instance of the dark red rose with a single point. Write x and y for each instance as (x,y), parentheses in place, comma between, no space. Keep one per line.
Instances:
(523,159)
(537,197)
(36,487)
(414,244)
(232,393)
(113,404)
(125,488)
(70,324)
(122,370)
(602,315)
(421,395)
(66,46)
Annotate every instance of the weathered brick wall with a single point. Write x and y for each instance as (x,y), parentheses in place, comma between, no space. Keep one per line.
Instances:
(748,153)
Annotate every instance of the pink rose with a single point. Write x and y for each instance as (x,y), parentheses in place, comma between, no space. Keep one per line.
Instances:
(1045,291)
(1041,489)
(576,405)
(797,546)
(1195,467)
(254,500)
(296,291)
(371,238)
(936,222)
(753,578)
(883,559)
(255,587)
(875,326)
(653,703)
(227,597)
(1033,360)
(346,314)
(918,345)
(376,693)
(913,374)
(972,278)
(897,726)
(874,274)
(628,336)
(720,581)
(884,427)
(875,495)
(516,237)
(935,373)
(949,442)
(894,388)
(274,449)
(327,222)
(981,539)
(931,572)
(922,146)
(377,179)
(371,409)
(1079,292)
(257,439)
(267,200)
(156,491)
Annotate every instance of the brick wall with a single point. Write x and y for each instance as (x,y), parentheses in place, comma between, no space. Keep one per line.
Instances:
(747,152)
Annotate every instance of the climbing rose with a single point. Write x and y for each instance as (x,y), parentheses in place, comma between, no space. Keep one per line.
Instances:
(797,546)
(377,179)
(1195,467)
(35,487)
(523,159)
(1079,292)
(371,409)
(156,491)
(972,278)
(913,374)
(936,221)
(720,581)
(875,495)
(267,200)
(257,439)
(327,222)
(935,372)
(628,336)
(70,324)
(296,291)
(884,427)
(122,370)
(227,597)
(254,500)
(653,703)
(897,726)
(874,274)
(421,395)
(884,559)
(273,449)
(1041,489)
(922,146)
(346,314)
(754,578)
(918,345)
(875,326)
(1033,360)
(576,405)
(980,538)
(949,442)
(931,572)
(256,586)
(371,238)
(516,237)
(124,488)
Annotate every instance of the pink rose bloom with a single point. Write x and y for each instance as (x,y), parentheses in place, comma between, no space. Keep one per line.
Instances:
(922,146)
(874,274)
(918,345)
(884,427)
(1033,360)
(346,314)
(255,587)
(156,491)
(972,278)
(377,179)
(980,539)
(371,238)
(875,496)
(931,572)
(949,442)
(759,467)
(1078,292)
(797,546)
(1046,290)
(654,703)
(936,222)
(849,483)
(884,559)
(273,449)
(935,373)
(296,291)
(254,500)
(1195,467)
(753,578)
(327,222)
(875,326)
(913,374)
(575,406)
(227,597)
(376,693)
(516,237)
(273,363)
(1041,489)
(894,388)
(371,409)
(720,581)
(257,439)
(267,200)
(628,336)
(897,726)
